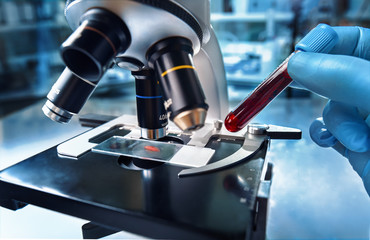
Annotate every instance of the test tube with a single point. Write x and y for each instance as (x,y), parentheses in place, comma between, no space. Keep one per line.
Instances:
(320,39)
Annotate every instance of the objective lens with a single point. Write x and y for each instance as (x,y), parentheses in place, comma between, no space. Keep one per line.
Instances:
(67,97)
(90,50)
(152,117)
(172,62)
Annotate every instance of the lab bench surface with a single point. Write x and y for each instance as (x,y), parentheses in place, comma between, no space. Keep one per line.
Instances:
(315,193)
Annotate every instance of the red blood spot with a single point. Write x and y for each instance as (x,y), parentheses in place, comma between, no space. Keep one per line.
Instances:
(152,148)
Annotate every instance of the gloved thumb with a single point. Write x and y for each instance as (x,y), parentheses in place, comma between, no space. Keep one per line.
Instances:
(338,77)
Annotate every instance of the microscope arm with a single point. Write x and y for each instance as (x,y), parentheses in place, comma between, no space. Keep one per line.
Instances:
(213,82)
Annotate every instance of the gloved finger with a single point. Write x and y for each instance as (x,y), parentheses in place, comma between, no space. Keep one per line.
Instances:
(360,162)
(347,125)
(352,41)
(338,77)
(321,135)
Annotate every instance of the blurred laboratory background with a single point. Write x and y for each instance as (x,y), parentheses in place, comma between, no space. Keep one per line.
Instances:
(315,195)
(255,36)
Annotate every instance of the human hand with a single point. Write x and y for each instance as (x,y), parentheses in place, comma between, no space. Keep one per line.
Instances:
(343,76)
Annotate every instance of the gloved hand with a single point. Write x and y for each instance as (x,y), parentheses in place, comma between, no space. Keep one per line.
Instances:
(343,76)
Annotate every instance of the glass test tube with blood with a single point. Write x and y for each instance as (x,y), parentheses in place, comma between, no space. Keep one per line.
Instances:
(321,39)
(259,98)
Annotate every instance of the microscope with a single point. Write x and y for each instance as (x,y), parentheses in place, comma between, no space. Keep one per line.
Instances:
(168,46)
(187,178)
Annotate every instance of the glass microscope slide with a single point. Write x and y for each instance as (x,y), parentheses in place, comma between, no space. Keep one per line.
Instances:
(177,154)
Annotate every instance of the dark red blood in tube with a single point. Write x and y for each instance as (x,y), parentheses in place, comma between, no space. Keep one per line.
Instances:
(272,86)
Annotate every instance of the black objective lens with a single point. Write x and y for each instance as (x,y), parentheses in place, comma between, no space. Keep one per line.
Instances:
(171,59)
(67,97)
(152,117)
(89,51)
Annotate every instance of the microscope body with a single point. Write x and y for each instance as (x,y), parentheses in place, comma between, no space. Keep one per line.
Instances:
(171,41)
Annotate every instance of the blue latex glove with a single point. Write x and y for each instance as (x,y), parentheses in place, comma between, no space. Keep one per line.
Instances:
(343,76)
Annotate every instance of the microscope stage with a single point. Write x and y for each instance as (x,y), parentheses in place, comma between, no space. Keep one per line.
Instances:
(150,200)
(153,202)
(113,183)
